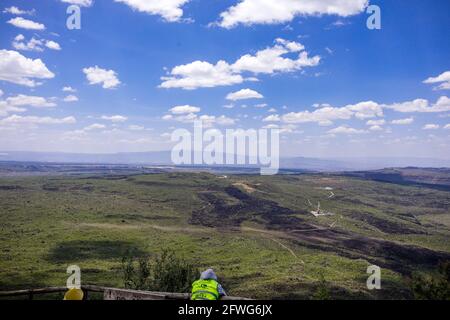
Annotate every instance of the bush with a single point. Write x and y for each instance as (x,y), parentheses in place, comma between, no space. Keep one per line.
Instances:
(166,273)
(427,287)
(322,291)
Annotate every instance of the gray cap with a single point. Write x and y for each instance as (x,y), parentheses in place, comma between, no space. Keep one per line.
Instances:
(208,274)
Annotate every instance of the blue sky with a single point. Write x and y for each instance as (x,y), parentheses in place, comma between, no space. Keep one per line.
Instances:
(312,69)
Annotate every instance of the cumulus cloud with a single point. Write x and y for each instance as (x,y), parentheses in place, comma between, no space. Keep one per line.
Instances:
(345,130)
(379,122)
(403,121)
(94,126)
(186,109)
(83,3)
(34,44)
(248,12)
(32,101)
(23,23)
(421,105)
(431,126)
(18,69)
(443,80)
(326,114)
(52,45)
(375,128)
(202,74)
(6,108)
(244,94)
(366,109)
(323,116)
(209,121)
(16,119)
(271,60)
(69,89)
(170,10)
(447,126)
(115,118)
(71,98)
(188,114)
(107,78)
(17,103)
(272,118)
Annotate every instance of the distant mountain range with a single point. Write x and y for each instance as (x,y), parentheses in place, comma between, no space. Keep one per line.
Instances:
(163,158)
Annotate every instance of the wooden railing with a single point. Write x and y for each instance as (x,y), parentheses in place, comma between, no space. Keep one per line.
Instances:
(109,293)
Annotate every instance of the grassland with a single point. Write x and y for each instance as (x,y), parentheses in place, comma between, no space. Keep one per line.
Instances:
(256,232)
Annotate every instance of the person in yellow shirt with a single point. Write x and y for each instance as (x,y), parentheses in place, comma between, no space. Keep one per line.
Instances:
(207,287)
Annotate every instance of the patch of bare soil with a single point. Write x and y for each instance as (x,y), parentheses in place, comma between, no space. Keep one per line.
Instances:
(247,187)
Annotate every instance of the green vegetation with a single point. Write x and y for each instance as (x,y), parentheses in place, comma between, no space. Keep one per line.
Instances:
(166,273)
(255,231)
(433,287)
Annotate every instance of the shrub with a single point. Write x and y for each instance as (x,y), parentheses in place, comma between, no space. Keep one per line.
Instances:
(166,273)
(437,287)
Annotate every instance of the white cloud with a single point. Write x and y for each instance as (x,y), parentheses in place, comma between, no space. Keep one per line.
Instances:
(244,94)
(421,105)
(31,45)
(71,98)
(271,60)
(443,79)
(228,106)
(83,3)
(430,126)
(209,121)
(323,116)
(69,89)
(94,126)
(18,69)
(345,130)
(170,10)
(375,128)
(403,121)
(187,114)
(135,127)
(32,101)
(115,118)
(248,12)
(107,78)
(17,11)
(1,92)
(15,119)
(447,126)
(272,118)
(202,74)
(34,44)
(376,122)
(52,45)
(184,109)
(5,108)
(260,105)
(23,23)
(366,109)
